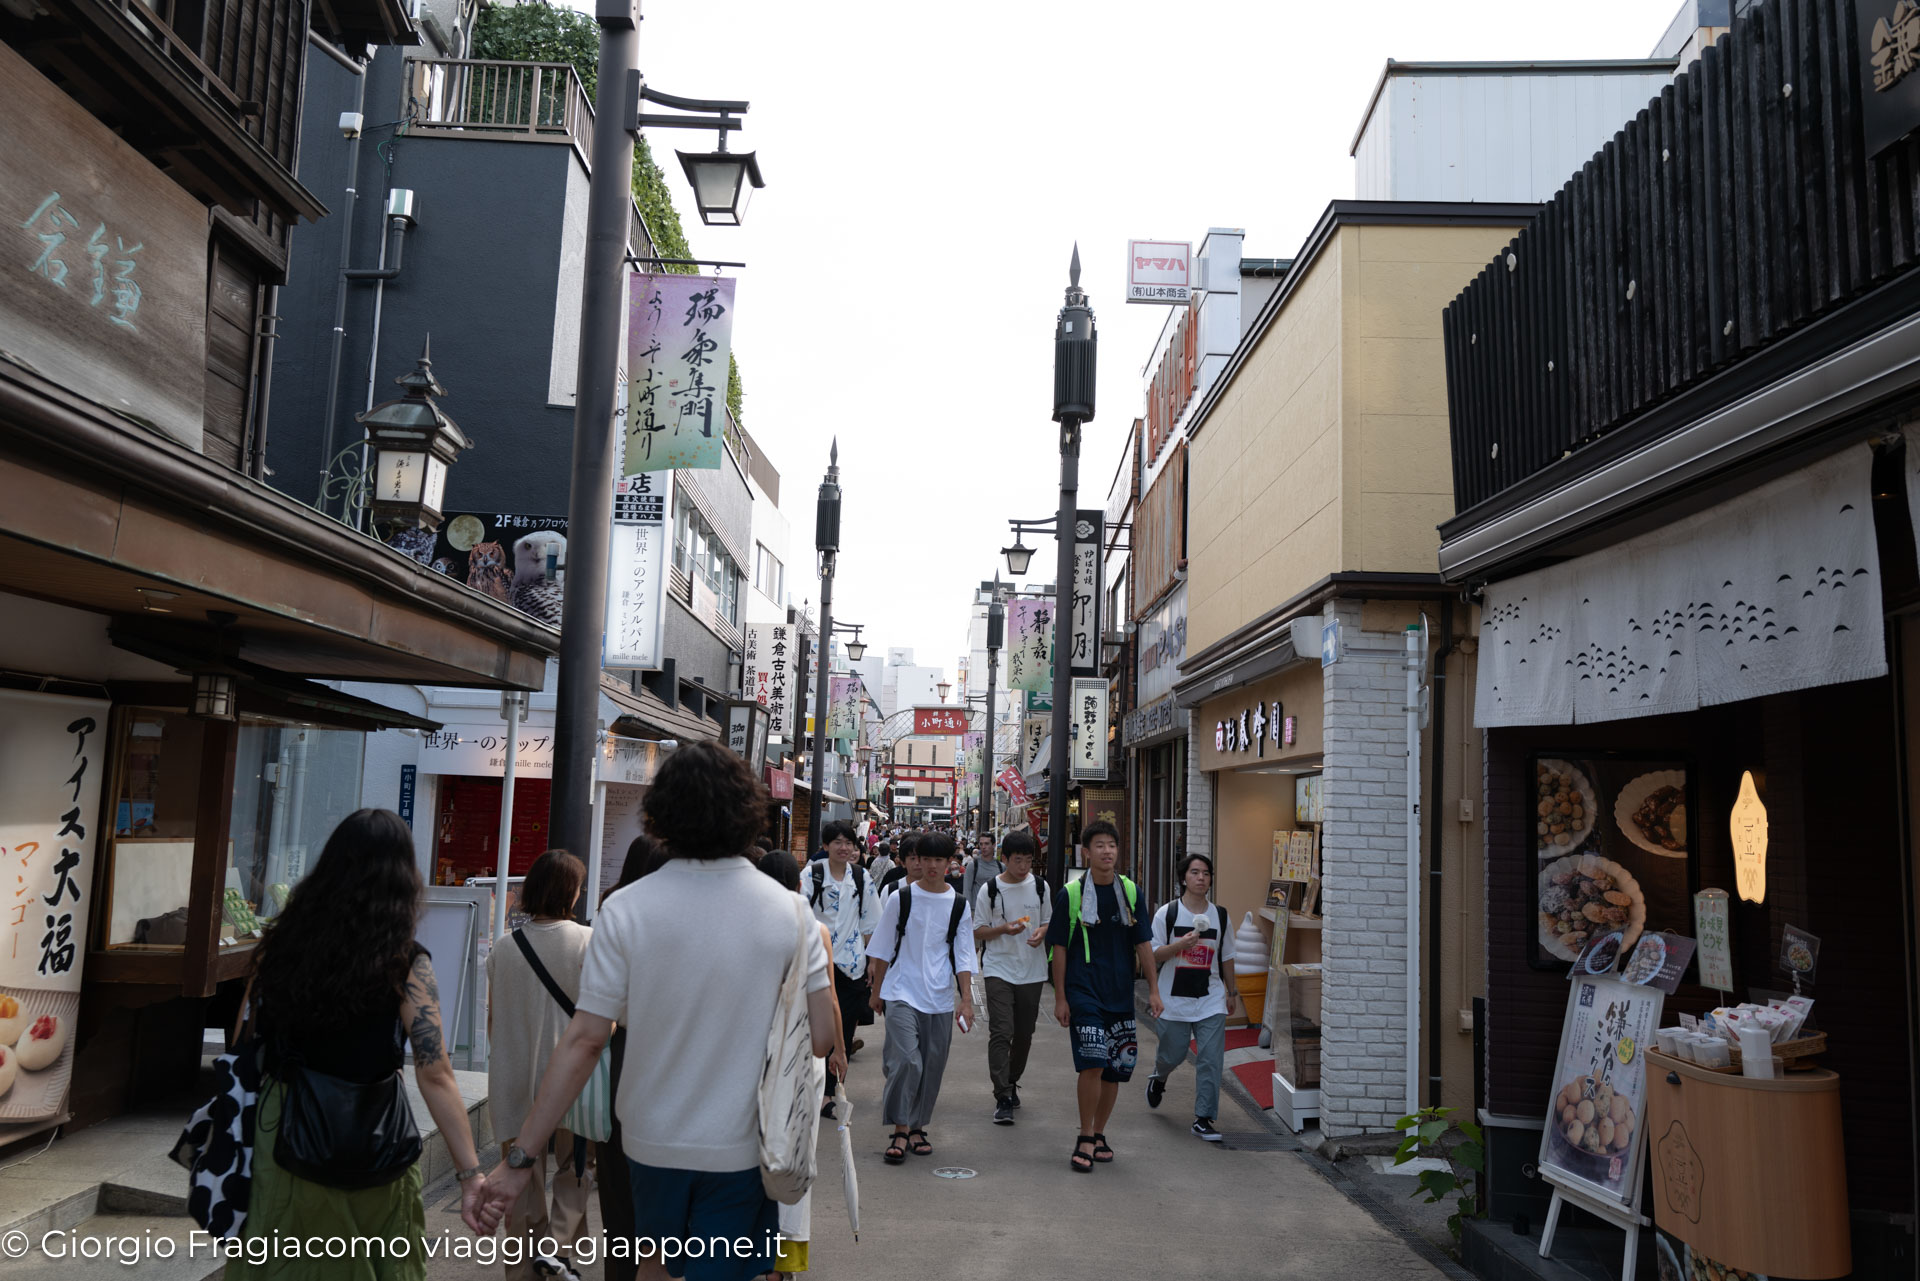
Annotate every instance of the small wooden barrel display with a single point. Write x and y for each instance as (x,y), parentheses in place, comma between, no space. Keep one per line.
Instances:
(1729,1152)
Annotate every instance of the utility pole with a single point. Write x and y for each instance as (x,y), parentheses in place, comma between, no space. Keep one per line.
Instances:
(826,540)
(996,635)
(1075,346)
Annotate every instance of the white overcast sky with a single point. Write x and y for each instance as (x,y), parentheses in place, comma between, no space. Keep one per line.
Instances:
(929,168)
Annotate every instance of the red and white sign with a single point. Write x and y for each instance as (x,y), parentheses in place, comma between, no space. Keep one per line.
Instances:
(1159,271)
(780,783)
(939,720)
(1014,786)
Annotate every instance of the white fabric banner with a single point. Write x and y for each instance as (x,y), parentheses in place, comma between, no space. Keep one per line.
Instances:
(1776,590)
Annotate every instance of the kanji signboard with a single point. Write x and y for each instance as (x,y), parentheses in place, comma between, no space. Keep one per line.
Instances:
(939,720)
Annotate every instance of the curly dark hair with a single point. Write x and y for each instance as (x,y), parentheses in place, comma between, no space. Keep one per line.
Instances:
(705,803)
(343,944)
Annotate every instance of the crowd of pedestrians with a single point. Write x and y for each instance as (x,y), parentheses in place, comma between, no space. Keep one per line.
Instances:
(634,1055)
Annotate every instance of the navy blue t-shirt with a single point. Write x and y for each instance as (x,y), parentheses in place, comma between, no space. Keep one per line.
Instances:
(1105,982)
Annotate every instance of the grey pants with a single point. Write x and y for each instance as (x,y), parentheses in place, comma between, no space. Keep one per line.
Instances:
(915,1060)
(1012,1009)
(1209,1038)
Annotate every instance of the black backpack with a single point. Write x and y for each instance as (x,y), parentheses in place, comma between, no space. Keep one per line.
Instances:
(905,895)
(1219,953)
(820,884)
(993,890)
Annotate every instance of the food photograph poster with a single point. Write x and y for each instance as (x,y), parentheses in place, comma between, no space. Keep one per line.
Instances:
(1613,840)
(1596,1121)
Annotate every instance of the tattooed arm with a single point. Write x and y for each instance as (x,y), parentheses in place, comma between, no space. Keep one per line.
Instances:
(433,1070)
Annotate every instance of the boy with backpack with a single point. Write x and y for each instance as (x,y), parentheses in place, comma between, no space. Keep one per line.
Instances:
(1099,927)
(1010,922)
(836,888)
(1192,942)
(922,962)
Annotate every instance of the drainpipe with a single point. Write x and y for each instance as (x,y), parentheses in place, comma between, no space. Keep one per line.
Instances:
(1434,813)
(399,219)
(269,331)
(352,129)
(1416,656)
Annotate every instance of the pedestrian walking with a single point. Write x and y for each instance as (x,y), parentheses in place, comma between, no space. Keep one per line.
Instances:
(1098,929)
(880,863)
(922,960)
(339,987)
(848,905)
(644,857)
(1194,950)
(528,973)
(796,1220)
(981,867)
(699,1007)
(1011,917)
(901,872)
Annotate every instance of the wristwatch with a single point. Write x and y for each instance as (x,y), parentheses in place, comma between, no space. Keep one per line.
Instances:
(518,1158)
(472,1171)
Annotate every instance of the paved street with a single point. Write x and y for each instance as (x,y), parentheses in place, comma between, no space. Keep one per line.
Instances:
(1168,1204)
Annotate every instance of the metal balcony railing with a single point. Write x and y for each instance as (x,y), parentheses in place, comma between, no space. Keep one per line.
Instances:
(514,100)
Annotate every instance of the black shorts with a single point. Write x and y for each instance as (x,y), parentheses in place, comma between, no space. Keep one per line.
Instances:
(1107,1040)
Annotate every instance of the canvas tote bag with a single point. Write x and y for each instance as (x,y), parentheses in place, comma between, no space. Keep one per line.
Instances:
(789,1100)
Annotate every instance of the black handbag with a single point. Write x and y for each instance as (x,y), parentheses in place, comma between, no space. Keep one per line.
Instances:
(343,1134)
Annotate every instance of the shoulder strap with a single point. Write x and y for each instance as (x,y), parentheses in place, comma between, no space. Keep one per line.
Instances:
(819,883)
(540,972)
(860,885)
(993,892)
(953,930)
(1219,948)
(905,895)
(1173,911)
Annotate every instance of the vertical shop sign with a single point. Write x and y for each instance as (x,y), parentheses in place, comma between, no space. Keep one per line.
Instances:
(772,673)
(637,571)
(1716,950)
(1083,630)
(679,339)
(1030,657)
(409,779)
(1033,733)
(1089,729)
(843,717)
(52,758)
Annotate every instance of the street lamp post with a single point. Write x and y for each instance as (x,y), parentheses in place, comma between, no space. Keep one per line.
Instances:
(826,541)
(996,634)
(1075,345)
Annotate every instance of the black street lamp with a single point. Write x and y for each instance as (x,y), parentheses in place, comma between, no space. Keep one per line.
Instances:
(996,636)
(826,541)
(1075,346)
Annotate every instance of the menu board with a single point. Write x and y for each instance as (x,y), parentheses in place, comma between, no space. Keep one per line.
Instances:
(1595,1135)
(1612,840)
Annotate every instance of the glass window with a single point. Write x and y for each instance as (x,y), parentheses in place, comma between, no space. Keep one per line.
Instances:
(682,535)
(291,787)
(731,595)
(153,828)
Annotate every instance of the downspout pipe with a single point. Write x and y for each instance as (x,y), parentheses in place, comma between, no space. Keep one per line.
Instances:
(340,289)
(1415,661)
(1437,681)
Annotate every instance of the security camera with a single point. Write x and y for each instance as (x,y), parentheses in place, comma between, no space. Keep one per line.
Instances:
(350,122)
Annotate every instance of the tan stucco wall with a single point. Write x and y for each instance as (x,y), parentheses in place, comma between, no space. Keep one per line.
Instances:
(1252,808)
(1329,450)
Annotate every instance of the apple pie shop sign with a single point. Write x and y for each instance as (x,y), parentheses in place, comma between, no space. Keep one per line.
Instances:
(1253,729)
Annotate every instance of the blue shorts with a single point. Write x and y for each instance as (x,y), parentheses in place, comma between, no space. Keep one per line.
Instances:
(693,1212)
(1107,1040)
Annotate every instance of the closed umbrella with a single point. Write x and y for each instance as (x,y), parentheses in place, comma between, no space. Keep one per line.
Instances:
(852,1176)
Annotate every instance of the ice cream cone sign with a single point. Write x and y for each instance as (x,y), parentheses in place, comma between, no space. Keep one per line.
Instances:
(1749,825)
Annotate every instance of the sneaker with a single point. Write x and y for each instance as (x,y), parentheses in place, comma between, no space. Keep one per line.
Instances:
(547,1265)
(1203,1129)
(1156,1090)
(1003,1112)
(1013,1097)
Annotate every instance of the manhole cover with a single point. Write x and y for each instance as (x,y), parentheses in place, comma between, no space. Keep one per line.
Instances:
(952,1172)
(1258,1143)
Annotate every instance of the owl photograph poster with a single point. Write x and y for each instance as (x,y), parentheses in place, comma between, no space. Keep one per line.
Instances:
(518,560)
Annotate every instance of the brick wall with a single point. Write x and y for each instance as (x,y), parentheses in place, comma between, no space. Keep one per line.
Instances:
(1363,854)
(1199,796)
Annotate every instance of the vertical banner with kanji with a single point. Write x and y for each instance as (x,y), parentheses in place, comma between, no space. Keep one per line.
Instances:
(1083,627)
(1089,755)
(773,675)
(974,745)
(679,337)
(637,571)
(843,707)
(53,755)
(1029,656)
(1033,735)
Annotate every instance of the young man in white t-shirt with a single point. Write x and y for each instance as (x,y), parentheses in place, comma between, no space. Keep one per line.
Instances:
(922,974)
(847,902)
(1194,951)
(1010,914)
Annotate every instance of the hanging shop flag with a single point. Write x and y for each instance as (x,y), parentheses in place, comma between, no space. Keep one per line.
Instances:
(773,673)
(974,745)
(679,337)
(1033,736)
(1013,785)
(52,758)
(1029,658)
(1083,632)
(1089,729)
(843,707)
(637,571)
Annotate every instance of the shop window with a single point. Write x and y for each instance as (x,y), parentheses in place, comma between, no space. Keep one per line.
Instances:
(154,821)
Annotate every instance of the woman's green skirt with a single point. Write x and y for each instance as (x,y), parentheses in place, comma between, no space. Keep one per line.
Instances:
(290,1216)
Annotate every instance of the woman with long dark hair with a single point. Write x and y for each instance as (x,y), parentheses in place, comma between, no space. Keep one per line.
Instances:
(339,987)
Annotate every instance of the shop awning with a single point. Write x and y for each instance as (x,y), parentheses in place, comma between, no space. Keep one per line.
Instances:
(801,784)
(641,713)
(1775,590)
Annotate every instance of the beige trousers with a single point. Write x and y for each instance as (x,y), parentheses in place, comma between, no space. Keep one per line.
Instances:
(566,1219)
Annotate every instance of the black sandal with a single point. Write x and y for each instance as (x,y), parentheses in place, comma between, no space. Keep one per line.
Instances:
(920,1146)
(896,1153)
(1101,1152)
(1082,1163)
